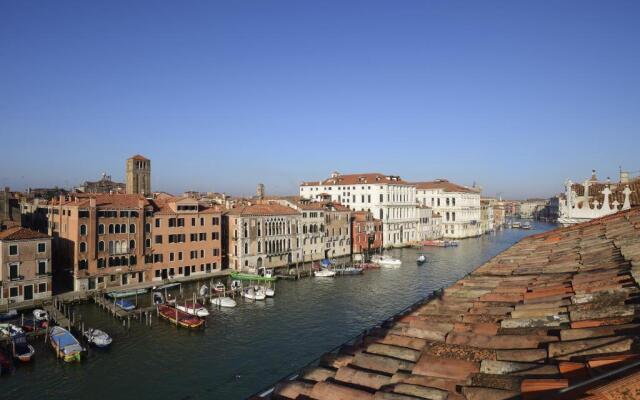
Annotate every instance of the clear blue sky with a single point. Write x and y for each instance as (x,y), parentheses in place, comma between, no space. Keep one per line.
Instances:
(516,96)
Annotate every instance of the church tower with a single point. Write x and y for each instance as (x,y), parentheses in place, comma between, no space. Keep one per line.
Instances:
(139,175)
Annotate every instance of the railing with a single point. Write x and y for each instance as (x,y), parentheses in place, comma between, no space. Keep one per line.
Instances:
(267,391)
(16,278)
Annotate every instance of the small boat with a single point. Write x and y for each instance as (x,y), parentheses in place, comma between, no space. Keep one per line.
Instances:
(369,265)
(526,225)
(236,286)
(219,287)
(158,298)
(126,293)
(516,225)
(223,302)
(204,290)
(9,315)
(22,350)
(324,273)
(126,305)
(40,315)
(450,243)
(254,293)
(386,261)
(421,259)
(265,272)
(65,344)
(98,338)
(351,270)
(269,292)
(178,317)
(199,310)
(6,364)
(10,330)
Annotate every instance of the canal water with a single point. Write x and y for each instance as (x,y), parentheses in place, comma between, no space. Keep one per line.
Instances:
(244,349)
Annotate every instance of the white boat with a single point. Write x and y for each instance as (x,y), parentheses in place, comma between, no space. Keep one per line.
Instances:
(421,259)
(219,287)
(40,315)
(269,292)
(324,273)
(252,293)
(204,290)
(98,337)
(10,330)
(386,261)
(199,310)
(236,286)
(223,302)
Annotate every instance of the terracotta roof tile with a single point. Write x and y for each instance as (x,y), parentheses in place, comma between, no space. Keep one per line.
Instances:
(20,233)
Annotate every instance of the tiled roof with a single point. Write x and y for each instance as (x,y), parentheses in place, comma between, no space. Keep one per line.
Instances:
(360,179)
(139,157)
(20,233)
(162,206)
(102,200)
(553,310)
(445,185)
(261,210)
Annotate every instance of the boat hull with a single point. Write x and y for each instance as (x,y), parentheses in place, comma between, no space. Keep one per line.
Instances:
(180,318)
(223,302)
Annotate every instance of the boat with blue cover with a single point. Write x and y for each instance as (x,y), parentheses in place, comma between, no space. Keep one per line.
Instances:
(126,293)
(65,344)
(126,305)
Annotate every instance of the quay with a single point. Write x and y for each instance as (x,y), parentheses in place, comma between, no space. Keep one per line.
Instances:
(554,316)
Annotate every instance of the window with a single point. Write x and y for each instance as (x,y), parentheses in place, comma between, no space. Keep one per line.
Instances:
(111,228)
(132,244)
(201,221)
(13,250)
(215,236)
(215,221)
(42,287)
(42,267)
(101,229)
(158,239)
(83,230)
(179,256)
(158,223)
(42,247)
(83,247)
(147,227)
(147,243)
(202,236)
(171,256)
(180,221)
(132,228)
(193,222)
(13,292)
(157,273)
(172,222)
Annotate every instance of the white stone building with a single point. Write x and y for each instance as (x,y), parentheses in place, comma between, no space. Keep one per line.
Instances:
(429,224)
(388,197)
(458,205)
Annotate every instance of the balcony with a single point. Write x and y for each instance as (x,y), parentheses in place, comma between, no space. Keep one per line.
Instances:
(14,278)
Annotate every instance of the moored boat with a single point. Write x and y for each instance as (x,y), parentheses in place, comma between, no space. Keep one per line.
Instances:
(65,344)
(223,302)
(386,261)
(22,350)
(199,310)
(219,287)
(125,304)
(9,315)
(126,293)
(254,293)
(526,225)
(178,317)
(350,270)
(324,273)
(98,337)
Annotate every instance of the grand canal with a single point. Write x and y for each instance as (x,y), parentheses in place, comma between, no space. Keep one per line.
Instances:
(244,349)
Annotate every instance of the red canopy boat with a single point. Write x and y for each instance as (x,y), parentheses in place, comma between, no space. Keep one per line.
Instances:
(181,318)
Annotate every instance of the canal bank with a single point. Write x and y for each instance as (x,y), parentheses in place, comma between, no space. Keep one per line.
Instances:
(246,348)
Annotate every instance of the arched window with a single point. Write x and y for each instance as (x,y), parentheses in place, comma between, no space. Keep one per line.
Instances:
(147,243)
(246,248)
(124,260)
(83,247)
(132,244)
(259,247)
(118,249)
(117,228)
(123,228)
(111,247)
(132,228)
(101,229)
(101,246)
(124,247)
(111,228)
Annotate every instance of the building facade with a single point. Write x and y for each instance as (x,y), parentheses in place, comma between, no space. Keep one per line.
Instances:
(387,197)
(458,205)
(337,219)
(105,185)
(486,216)
(532,208)
(25,267)
(185,239)
(366,233)
(139,175)
(263,236)
(429,224)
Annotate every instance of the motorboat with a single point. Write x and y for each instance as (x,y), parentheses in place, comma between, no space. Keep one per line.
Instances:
(198,310)
(450,243)
(236,286)
(265,272)
(526,225)
(22,350)
(386,261)
(40,315)
(204,290)
(9,315)
(158,298)
(126,293)
(125,304)
(254,293)
(350,270)
(223,302)
(219,287)
(98,338)
(516,225)
(369,265)
(10,330)
(421,259)
(269,292)
(324,273)
(65,344)
(178,317)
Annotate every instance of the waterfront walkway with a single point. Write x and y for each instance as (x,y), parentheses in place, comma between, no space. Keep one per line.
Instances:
(554,316)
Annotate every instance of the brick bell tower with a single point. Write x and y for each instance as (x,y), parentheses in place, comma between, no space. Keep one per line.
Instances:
(139,175)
